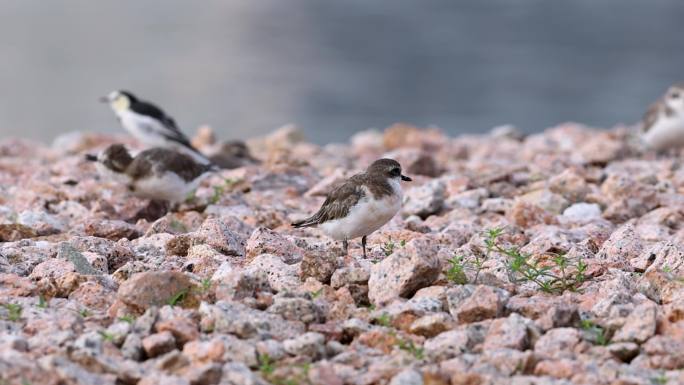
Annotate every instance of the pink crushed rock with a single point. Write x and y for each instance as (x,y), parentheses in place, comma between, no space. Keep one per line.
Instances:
(226,292)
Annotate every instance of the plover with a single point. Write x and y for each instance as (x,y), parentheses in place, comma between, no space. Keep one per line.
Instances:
(159,174)
(360,205)
(663,123)
(149,124)
(232,154)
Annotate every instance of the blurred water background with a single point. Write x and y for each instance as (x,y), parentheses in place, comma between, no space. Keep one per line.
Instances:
(336,67)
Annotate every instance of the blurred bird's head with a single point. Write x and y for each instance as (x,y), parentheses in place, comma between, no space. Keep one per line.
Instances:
(115,158)
(674,97)
(119,100)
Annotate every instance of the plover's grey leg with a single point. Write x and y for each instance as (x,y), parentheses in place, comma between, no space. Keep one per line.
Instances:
(154,210)
(174,207)
(363,245)
(345,247)
(348,259)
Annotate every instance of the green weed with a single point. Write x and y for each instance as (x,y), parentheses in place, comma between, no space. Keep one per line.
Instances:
(206,284)
(660,380)
(384,320)
(13,311)
(127,318)
(216,196)
(456,272)
(178,297)
(266,366)
(523,267)
(388,247)
(42,302)
(408,346)
(109,337)
(316,294)
(597,333)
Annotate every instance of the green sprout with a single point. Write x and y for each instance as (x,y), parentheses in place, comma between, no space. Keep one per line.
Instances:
(389,246)
(178,297)
(109,337)
(456,272)
(597,333)
(384,320)
(409,346)
(316,294)
(129,318)
(206,284)
(191,196)
(218,192)
(660,380)
(13,311)
(266,366)
(523,267)
(178,226)
(42,302)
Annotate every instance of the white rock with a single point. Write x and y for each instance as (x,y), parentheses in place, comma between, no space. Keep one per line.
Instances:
(41,221)
(582,212)
(425,200)
(407,376)
(404,272)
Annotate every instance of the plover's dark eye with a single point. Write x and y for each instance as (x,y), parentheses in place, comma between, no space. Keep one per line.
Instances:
(395,171)
(674,95)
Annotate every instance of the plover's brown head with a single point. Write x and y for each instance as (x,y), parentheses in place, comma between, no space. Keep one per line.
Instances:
(116,158)
(674,97)
(388,168)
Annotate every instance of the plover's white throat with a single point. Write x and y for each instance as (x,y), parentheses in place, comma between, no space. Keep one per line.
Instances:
(149,124)
(159,174)
(663,123)
(361,205)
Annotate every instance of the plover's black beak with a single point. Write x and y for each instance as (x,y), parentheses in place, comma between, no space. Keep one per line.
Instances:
(91,158)
(103,99)
(405,178)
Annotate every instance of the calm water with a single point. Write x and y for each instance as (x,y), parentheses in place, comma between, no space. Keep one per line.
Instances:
(246,67)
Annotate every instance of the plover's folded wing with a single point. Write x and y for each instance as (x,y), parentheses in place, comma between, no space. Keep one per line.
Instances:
(337,204)
(162,160)
(651,116)
(167,127)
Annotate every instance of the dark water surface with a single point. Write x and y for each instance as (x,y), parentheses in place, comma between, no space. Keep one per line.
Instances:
(336,67)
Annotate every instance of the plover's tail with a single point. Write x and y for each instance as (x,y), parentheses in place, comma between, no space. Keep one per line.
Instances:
(308,222)
(213,167)
(185,147)
(197,155)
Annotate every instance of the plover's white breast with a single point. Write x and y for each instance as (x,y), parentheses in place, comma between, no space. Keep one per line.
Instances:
(166,186)
(368,215)
(110,175)
(666,132)
(144,128)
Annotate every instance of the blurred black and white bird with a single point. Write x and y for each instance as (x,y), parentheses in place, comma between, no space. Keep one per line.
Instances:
(663,123)
(149,124)
(159,174)
(360,205)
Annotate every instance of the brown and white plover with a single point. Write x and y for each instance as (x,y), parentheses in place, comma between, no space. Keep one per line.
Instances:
(360,205)
(159,174)
(663,123)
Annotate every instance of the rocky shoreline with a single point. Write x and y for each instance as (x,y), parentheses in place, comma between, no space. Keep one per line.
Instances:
(556,258)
